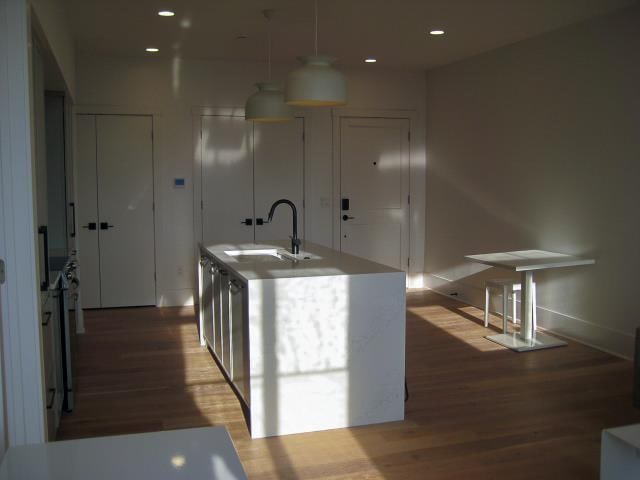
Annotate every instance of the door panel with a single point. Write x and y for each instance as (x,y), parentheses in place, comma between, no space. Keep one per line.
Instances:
(279,173)
(125,200)
(87,211)
(374,159)
(227,180)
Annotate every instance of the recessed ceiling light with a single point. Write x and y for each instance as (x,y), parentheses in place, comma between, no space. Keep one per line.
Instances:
(166,13)
(436,32)
(152,49)
(370,60)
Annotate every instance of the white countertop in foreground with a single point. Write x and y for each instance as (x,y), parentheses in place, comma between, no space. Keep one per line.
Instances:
(324,262)
(194,453)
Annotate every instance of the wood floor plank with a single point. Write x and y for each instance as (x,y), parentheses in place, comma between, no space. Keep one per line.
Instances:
(476,409)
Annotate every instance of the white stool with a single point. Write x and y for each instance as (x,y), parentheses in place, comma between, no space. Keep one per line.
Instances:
(508,287)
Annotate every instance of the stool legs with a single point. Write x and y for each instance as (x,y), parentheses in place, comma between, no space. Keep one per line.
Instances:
(534,303)
(505,302)
(486,307)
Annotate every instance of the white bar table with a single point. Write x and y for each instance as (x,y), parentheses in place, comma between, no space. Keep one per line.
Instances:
(526,262)
(195,454)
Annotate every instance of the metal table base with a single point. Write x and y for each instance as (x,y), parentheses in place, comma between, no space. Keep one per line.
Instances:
(518,344)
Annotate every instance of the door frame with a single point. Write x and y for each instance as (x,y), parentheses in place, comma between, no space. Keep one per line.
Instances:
(21,349)
(362,113)
(196,114)
(89,109)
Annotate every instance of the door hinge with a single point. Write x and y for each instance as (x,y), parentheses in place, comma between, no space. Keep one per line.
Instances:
(409,199)
(409,135)
(303,136)
(153,206)
(201,205)
(154,277)
(3,274)
(408,262)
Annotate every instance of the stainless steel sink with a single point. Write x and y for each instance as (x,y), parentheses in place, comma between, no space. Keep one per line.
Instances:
(263,255)
(269,255)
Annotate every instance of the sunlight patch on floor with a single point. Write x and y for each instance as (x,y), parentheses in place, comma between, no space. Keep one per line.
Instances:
(456,325)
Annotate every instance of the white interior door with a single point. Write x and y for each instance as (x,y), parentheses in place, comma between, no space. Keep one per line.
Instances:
(279,173)
(227,180)
(374,177)
(87,211)
(125,210)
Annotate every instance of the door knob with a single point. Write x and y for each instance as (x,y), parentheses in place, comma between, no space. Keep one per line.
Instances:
(346,217)
(90,226)
(105,225)
(247,221)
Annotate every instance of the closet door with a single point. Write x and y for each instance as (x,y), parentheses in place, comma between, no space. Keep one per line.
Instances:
(227,180)
(125,210)
(87,211)
(279,173)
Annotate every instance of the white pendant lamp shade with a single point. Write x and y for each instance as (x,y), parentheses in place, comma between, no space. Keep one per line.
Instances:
(316,84)
(267,104)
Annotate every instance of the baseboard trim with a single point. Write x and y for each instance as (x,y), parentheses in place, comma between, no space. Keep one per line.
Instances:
(579,330)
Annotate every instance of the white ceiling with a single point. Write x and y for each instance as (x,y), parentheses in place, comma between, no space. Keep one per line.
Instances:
(393,31)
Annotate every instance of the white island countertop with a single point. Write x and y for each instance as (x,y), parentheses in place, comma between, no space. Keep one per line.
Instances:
(321,261)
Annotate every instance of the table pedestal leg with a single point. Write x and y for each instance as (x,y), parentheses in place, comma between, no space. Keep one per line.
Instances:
(527,339)
(526,325)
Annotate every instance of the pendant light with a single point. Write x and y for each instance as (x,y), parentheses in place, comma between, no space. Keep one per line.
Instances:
(267,104)
(316,83)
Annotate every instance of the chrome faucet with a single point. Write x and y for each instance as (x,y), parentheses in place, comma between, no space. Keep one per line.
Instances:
(295,241)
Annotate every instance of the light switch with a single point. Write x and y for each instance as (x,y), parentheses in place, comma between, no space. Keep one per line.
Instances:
(178,182)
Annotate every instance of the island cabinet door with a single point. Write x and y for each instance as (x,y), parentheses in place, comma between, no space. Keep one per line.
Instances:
(207,304)
(217,312)
(225,330)
(237,317)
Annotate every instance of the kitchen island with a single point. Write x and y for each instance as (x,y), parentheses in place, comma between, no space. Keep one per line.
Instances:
(309,342)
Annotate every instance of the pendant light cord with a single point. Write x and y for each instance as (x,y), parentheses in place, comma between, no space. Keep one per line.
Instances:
(316,9)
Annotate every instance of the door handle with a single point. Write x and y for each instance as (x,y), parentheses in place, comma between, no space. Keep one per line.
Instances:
(73,219)
(52,392)
(247,221)
(105,226)
(346,217)
(90,226)
(259,221)
(42,230)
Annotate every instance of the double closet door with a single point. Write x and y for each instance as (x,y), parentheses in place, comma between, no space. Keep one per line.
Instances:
(115,210)
(245,167)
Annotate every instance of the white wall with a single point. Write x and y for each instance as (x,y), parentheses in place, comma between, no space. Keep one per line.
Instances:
(536,145)
(173,89)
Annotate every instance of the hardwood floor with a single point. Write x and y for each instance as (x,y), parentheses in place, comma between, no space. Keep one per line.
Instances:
(476,409)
